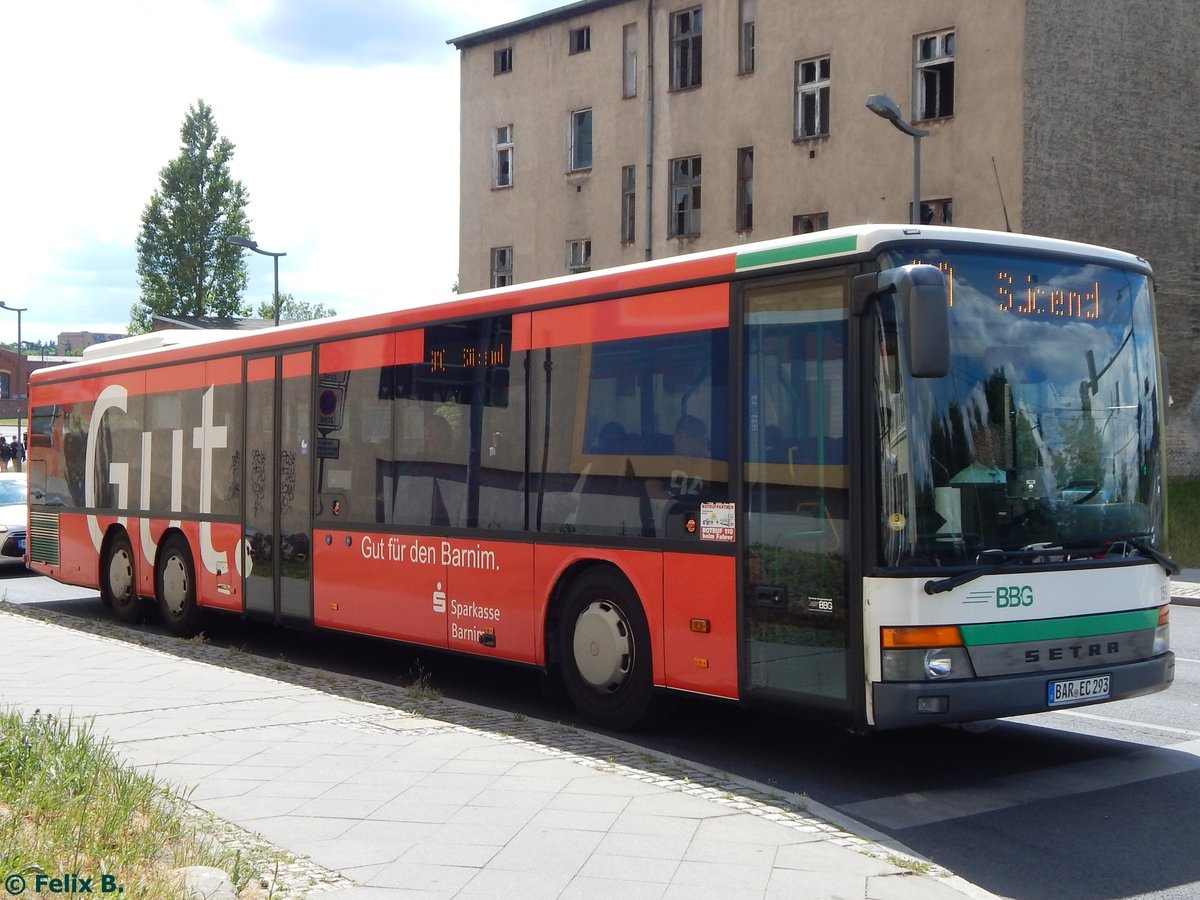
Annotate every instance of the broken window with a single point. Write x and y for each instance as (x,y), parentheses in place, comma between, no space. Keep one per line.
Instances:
(502,157)
(502,266)
(686,46)
(579,151)
(745,188)
(502,61)
(684,216)
(935,75)
(812,98)
(581,39)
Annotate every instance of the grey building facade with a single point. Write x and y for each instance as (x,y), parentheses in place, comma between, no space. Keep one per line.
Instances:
(607,132)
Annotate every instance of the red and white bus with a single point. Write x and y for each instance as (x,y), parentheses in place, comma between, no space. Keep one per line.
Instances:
(884,475)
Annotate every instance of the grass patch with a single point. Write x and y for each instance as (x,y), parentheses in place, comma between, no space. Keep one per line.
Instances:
(68,807)
(1183,521)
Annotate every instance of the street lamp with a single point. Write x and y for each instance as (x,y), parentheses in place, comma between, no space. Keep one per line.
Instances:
(239,241)
(883,105)
(20,356)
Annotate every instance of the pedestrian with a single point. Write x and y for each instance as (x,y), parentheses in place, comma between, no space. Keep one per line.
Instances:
(17,451)
(5,453)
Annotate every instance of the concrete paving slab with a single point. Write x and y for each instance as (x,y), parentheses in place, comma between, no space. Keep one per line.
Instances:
(380,802)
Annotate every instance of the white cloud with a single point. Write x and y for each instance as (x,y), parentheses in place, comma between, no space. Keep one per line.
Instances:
(344,116)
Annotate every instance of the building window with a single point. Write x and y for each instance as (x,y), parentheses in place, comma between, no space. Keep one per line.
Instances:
(686,41)
(502,61)
(502,266)
(745,188)
(684,217)
(628,203)
(936,212)
(579,256)
(810,222)
(579,150)
(935,75)
(812,98)
(745,37)
(629,60)
(581,39)
(502,157)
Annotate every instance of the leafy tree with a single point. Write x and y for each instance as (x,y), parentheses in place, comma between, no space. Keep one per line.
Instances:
(293,310)
(185,266)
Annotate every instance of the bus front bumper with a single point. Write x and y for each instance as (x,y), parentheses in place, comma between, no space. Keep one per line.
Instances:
(900,705)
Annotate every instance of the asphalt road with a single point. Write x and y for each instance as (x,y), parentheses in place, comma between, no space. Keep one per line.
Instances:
(1086,803)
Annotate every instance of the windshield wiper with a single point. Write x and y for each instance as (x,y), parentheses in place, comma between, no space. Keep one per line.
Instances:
(991,560)
(1172,567)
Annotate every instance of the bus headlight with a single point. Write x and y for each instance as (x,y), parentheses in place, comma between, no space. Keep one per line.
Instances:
(937,664)
(923,653)
(1162,634)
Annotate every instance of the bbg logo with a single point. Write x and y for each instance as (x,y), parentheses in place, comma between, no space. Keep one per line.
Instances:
(1014,595)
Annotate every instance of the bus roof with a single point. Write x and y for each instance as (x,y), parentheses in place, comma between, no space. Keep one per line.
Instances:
(180,344)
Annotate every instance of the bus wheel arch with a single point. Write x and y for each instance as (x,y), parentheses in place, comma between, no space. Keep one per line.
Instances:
(599,638)
(117,577)
(175,584)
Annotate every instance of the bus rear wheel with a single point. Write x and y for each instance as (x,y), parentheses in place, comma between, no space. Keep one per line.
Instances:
(117,588)
(605,651)
(175,588)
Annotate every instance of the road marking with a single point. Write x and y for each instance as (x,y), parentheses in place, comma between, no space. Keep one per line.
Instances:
(1131,722)
(1185,659)
(995,794)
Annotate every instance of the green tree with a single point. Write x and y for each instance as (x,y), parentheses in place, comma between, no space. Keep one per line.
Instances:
(293,310)
(185,266)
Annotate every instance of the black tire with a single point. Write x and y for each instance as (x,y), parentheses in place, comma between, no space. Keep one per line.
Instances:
(604,648)
(175,587)
(118,588)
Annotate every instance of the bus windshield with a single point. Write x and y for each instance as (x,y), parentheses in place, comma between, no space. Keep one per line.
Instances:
(1043,438)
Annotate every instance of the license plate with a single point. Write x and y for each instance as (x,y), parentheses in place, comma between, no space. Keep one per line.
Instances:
(1077,690)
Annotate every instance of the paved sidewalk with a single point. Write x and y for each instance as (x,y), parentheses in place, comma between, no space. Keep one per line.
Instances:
(376,800)
(1185,588)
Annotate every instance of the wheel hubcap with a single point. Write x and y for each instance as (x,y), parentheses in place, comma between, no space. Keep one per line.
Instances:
(603,647)
(120,576)
(175,584)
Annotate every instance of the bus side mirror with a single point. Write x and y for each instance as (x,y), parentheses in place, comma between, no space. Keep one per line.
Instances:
(924,297)
(924,300)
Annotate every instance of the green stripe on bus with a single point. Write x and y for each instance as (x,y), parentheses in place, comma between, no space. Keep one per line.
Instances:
(1059,629)
(797,251)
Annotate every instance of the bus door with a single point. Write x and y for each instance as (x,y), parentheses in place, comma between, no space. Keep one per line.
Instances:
(277,487)
(795,508)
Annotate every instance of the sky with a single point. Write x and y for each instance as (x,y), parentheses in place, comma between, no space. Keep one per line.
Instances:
(344,117)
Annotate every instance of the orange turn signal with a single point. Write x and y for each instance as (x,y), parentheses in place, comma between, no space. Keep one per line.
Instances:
(894,637)
(701,626)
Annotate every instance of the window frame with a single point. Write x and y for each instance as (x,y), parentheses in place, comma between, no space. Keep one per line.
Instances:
(575,162)
(817,88)
(502,150)
(628,204)
(501,266)
(820,222)
(579,256)
(746,19)
(685,181)
(941,211)
(744,195)
(937,69)
(579,40)
(502,61)
(629,48)
(687,48)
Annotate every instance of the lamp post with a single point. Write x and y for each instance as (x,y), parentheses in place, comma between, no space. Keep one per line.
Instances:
(239,241)
(883,105)
(20,357)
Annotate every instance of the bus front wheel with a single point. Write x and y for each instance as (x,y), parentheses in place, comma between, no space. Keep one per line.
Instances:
(116,580)
(605,650)
(175,588)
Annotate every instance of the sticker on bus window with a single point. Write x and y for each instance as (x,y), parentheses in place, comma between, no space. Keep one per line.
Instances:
(717,522)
